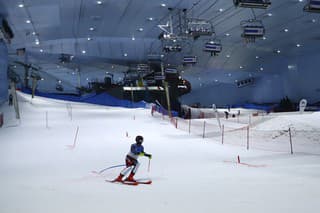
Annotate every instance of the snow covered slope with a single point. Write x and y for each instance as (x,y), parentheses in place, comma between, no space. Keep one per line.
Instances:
(45,166)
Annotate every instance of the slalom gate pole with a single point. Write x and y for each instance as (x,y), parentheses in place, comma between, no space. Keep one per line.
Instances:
(189,125)
(75,138)
(248,138)
(204,129)
(290,140)
(222,136)
(47,126)
(111,167)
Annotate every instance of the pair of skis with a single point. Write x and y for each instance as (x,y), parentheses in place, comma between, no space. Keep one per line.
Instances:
(131,183)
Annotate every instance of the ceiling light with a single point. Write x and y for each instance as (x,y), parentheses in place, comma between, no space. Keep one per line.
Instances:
(28,21)
(20,5)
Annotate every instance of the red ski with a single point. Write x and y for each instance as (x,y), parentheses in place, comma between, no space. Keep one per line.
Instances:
(131,183)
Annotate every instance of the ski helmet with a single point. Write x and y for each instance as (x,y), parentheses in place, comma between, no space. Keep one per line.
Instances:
(139,139)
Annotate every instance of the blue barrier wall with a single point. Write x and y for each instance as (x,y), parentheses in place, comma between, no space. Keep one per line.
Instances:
(100,99)
(3,72)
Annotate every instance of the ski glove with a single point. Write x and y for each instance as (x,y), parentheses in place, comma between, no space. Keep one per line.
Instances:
(148,155)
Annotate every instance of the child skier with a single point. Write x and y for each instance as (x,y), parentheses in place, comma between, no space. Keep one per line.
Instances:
(132,162)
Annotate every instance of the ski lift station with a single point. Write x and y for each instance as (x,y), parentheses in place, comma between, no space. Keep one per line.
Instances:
(159,106)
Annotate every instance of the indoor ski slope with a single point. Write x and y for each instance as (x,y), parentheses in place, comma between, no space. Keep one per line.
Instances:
(46,165)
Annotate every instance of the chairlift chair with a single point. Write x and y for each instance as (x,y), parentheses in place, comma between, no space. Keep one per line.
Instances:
(252,29)
(312,6)
(258,4)
(214,47)
(189,60)
(198,27)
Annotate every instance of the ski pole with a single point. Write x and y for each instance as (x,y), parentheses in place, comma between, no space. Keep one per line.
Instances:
(111,167)
(149,165)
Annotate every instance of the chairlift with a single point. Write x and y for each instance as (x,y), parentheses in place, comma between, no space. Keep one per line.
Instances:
(189,60)
(171,70)
(252,29)
(312,6)
(171,46)
(199,27)
(214,47)
(259,4)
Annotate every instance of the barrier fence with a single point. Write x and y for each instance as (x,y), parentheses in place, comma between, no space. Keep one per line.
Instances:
(245,134)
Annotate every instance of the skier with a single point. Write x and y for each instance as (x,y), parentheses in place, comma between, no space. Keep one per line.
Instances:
(132,162)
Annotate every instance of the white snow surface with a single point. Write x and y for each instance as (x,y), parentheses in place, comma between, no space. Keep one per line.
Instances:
(40,171)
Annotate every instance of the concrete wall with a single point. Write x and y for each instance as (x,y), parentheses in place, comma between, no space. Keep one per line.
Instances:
(3,72)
